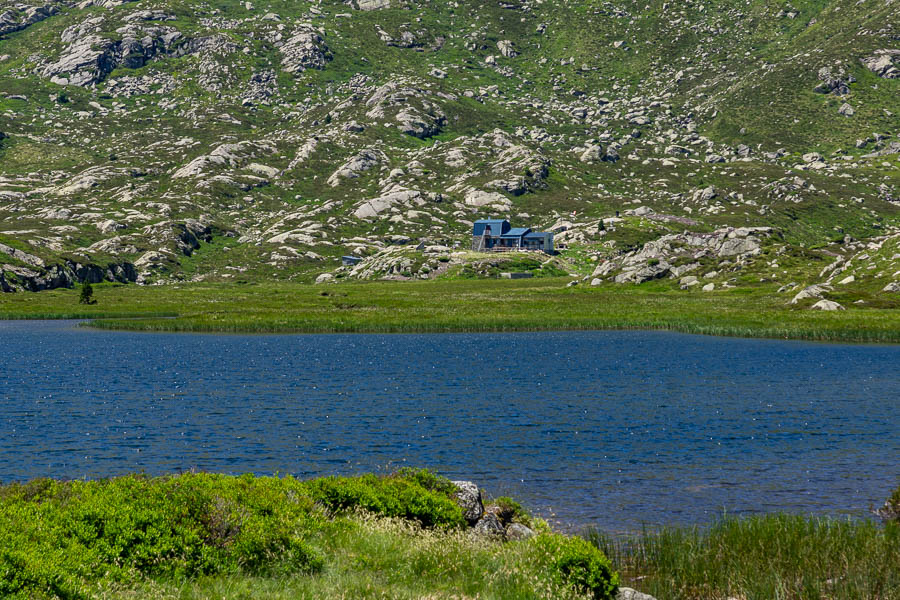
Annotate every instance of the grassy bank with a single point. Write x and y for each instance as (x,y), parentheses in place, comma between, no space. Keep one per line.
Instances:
(216,536)
(444,306)
(775,556)
(204,536)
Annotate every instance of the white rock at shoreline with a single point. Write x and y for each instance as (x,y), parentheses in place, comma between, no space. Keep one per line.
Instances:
(630,594)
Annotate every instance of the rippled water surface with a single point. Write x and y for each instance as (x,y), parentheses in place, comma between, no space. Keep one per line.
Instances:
(609,428)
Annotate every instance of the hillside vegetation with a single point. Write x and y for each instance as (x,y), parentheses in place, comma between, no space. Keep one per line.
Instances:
(731,143)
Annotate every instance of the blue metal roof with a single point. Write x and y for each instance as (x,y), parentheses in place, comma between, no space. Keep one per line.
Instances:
(516,232)
(498,226)
(537,234)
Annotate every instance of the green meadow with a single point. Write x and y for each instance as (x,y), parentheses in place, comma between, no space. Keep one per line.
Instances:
(456,306)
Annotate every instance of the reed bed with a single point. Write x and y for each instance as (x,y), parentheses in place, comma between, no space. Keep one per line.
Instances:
(768,557)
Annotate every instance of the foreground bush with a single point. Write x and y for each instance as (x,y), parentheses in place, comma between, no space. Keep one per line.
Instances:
(206,535)
(410,494)
(580,564)
(56,537)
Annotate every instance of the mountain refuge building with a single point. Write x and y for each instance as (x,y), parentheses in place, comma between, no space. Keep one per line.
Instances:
(497,235)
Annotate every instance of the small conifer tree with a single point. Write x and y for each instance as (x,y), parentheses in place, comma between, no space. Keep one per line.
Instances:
(87,294)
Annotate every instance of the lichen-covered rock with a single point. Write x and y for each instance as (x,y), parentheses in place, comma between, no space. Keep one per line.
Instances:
(625,593)
(517,531)
(489,525)
(468,496)
(372,4)
(883,63)
(812,291)
(593,153)
(827,305)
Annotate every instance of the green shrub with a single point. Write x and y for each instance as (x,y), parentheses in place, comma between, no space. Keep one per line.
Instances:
(580,564)
(511,511)
(394,496)
(56,538)
(427,479)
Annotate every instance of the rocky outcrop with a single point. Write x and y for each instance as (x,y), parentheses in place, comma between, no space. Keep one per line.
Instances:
(305,49)
(415,114)
(391,201)
(655,259)
(490,526)
(507,48)
(883,63)
(356,165)
(497,521)
(11,21)
(226,155)
(91,54)
(64,275)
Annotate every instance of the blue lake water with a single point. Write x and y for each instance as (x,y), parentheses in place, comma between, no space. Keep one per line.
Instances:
(615,429)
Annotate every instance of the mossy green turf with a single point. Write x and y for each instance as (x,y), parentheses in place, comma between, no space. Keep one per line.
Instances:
(208,535)
(458,305)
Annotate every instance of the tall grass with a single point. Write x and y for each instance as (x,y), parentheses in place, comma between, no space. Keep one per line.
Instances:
(764,557)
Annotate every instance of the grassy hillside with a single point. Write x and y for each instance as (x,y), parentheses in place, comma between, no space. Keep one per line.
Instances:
(161,141)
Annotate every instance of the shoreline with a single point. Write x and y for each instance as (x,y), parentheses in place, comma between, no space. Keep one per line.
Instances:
(97,324)
(494,306)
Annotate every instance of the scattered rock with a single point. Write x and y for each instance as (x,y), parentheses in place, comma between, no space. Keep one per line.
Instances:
(812,157)
(827,305)
(812,291)
(883,63)
(489,525)
(626,593)
(507,48)
(517,531)
(356,165)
